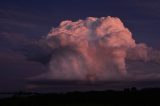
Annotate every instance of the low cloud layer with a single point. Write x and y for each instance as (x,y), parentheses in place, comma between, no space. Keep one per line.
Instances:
(94,49)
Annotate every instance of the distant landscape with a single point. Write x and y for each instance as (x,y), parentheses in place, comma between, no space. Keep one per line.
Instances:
(128,97)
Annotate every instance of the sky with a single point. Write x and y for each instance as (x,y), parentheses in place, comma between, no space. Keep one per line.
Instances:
(24,24)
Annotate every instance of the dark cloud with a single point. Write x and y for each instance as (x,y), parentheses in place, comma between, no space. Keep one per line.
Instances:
(33,49)
(15,70)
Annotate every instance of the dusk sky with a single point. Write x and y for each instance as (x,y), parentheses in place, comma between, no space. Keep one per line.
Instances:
(29,55)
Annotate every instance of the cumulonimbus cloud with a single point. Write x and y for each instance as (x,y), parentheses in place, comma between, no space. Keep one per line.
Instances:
(94,49)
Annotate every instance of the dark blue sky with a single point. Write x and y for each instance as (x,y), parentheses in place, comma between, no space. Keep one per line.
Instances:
(142,17)
(24,21)
(35,18)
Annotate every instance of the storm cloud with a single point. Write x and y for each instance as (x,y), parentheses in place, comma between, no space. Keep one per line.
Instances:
(94,49)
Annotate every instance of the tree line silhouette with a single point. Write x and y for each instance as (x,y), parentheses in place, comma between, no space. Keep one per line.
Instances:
(128,96)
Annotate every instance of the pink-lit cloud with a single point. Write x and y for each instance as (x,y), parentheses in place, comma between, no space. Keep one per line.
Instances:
(94,49)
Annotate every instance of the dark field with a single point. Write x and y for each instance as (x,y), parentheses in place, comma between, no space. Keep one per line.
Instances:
(127,97)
